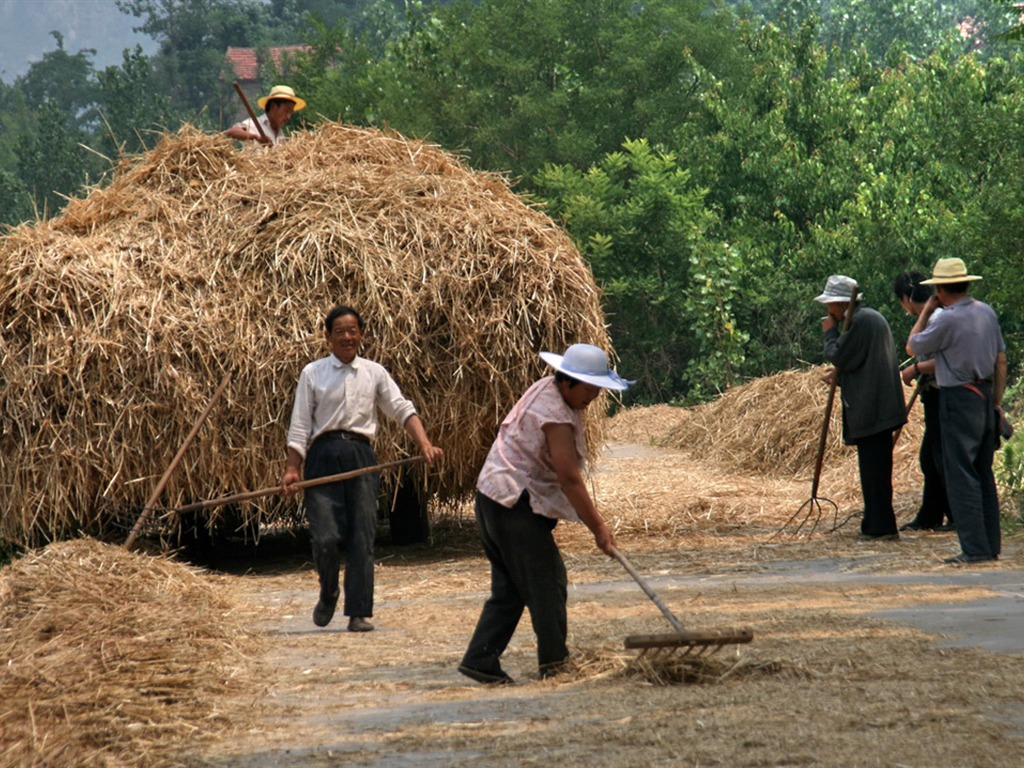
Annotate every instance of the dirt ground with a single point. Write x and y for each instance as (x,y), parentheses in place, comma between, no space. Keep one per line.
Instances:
(863,654)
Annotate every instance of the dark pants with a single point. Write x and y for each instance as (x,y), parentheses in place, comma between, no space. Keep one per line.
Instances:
(874,459)
(343,518)
(526,572)
(934,500)
(968,447)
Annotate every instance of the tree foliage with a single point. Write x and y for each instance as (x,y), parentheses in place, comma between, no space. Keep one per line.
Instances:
(713,166)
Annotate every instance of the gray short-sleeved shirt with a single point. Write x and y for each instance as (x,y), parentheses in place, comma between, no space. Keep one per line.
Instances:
(965,341)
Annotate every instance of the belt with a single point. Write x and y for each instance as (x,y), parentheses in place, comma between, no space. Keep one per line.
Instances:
(344,434)
(974,386)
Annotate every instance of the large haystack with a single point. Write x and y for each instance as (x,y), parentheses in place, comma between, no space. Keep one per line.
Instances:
(200,259)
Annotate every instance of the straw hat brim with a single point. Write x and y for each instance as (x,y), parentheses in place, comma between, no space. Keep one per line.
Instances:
(954,279)
(300,104)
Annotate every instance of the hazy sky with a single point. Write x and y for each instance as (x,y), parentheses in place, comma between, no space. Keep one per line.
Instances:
(25,27)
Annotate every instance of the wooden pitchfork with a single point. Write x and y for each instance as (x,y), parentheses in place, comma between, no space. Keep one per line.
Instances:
(812,508)
(248,495)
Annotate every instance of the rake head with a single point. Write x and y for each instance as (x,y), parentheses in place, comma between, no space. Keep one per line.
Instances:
(688,643)
(808,516)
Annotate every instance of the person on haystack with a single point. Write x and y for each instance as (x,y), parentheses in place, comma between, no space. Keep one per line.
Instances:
(278,107)
(333,424)
(970,366)
(933,514)
(872,396)
(530,480)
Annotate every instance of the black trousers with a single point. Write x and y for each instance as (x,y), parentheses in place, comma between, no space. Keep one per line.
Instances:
(934,500)
(874,459)
(968,447)
(343,520)
(526,572)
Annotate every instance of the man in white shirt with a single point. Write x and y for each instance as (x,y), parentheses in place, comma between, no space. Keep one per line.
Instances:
(333,424)
(278,107)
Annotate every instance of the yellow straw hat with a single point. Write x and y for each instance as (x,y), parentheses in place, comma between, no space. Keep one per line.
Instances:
(281,92)
(950,271)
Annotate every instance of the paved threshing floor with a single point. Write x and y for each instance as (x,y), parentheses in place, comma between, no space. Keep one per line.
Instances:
(864,655)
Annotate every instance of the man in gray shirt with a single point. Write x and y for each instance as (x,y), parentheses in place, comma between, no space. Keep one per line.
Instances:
(970,367)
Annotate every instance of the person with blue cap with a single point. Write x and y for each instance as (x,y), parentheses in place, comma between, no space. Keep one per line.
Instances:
(531,479)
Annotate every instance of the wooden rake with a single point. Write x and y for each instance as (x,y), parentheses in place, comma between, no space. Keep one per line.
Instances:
(682,642)
(812,510)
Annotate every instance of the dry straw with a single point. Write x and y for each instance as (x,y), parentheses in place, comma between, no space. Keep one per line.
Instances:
(768,426)
(101,664)
(121,315)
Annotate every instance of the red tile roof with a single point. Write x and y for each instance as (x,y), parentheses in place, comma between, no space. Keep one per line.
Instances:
(245,62)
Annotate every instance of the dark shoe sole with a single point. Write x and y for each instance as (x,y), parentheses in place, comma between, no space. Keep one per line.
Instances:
(359,624)
(323,613)
(485,677)
(962,559)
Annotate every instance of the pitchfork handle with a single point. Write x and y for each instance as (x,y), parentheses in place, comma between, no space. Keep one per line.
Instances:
(301,484)
(676,623)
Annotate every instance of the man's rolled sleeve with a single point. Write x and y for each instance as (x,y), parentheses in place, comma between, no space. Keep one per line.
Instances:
(301,425)
(392,403)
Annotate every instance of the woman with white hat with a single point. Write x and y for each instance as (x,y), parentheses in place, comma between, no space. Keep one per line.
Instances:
(278,107)
(530,480)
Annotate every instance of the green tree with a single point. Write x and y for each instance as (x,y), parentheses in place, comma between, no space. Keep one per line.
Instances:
(517,85)
(52,163)
(132,106)
(642,225)
(193,36)
(65,81)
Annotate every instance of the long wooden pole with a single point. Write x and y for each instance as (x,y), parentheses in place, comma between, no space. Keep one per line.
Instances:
(823,438)
(148,509)
(246,495)
(248,108)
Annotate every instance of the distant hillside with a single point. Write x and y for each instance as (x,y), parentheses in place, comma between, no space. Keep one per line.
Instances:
(25,27)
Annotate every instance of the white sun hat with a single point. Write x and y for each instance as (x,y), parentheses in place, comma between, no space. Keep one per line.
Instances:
(586,363)
(838,288)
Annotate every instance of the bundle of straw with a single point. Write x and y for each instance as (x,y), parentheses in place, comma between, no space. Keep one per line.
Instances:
(772,426)
(102,667)
(122,314)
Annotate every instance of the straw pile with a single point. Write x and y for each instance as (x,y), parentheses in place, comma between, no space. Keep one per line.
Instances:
(122,315)
(100,664)
(769,426)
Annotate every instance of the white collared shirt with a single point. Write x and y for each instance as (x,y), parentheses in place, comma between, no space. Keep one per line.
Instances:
(276,137)
(335,395)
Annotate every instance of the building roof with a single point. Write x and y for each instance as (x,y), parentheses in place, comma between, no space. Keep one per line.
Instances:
(245,61)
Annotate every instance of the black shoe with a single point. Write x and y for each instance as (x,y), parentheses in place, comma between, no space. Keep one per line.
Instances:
(324,611)
(963,559)
(359,624)
(946,528)
(486,677)
(881,537)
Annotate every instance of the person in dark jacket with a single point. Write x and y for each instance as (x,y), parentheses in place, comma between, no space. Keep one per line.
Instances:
(933,514)
(872,395)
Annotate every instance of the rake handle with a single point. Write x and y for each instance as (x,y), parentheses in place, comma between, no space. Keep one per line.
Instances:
(252,115)
(677,625)
(823,438)
(148,509)
(245,496)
